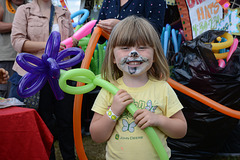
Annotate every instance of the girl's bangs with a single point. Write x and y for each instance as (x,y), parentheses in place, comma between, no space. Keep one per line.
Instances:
(131,36)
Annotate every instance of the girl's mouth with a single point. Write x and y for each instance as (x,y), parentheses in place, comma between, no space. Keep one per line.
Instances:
(134,63)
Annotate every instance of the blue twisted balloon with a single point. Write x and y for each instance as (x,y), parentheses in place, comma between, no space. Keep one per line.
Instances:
(85,13)
(48,68)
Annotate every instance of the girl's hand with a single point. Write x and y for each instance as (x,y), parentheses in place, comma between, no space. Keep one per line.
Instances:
(144,118)
(120,102)
(4,76)
(107,24)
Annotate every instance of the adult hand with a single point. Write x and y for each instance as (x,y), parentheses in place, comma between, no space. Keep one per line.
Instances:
(144,118)
(74,42)
(62,47)
(107,24)
(3,76)
(120,102)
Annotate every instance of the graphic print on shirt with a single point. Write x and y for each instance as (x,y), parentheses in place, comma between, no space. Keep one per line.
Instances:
(127,126)
(130,126)
(150,107)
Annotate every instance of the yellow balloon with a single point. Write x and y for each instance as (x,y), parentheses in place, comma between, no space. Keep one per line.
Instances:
(221,55)
(222,45)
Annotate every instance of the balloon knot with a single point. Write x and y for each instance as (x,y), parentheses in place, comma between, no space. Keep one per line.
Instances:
(54,70)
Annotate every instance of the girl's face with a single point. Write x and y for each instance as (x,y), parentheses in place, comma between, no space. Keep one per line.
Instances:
(133,60)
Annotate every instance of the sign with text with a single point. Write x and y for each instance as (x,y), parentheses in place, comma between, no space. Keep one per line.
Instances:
(231,22)
(204,15)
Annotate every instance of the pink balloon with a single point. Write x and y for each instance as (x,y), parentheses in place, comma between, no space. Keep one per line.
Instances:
(221,63)
(82,32)
(232,48)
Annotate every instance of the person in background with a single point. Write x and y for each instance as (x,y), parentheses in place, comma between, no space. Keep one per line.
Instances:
(116,10)
(7,53)
(4,76)
(32,25)
(135,63)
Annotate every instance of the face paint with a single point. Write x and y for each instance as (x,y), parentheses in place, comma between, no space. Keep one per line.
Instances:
(134,63)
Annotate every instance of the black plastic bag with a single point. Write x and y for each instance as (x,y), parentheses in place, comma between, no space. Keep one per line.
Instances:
(196,67)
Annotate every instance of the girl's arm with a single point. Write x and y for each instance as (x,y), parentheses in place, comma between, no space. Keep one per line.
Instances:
(174,126)
(102,126)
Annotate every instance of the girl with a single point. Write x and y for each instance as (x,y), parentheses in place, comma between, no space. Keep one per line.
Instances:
(135,63)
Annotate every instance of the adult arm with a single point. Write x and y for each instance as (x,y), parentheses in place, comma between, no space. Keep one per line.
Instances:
(19,35)
(33,46)
(108,24)
(4,26)
(101,16)
(155,13)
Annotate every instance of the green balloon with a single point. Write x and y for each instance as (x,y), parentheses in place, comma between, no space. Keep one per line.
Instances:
(83,76)
(87,76)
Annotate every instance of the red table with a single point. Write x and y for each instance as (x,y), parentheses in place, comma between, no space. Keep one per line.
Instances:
(23,135)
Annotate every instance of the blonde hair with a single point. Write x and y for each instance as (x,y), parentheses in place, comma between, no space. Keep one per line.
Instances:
(134,31)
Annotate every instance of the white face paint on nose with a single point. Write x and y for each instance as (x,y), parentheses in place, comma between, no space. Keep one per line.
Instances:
(134,53)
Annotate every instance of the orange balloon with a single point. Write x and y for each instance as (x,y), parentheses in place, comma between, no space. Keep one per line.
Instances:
(203,99)
(77,131)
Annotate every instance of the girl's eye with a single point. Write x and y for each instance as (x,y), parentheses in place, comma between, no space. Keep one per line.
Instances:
(142,47)
(124,48)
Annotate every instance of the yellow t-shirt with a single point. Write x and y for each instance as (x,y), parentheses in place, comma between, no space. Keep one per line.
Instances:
(128,141)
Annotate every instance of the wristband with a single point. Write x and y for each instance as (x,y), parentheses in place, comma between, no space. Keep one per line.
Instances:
(111,115)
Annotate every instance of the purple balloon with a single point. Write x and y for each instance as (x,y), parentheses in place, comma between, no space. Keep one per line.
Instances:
(70,62)
(47,68)
(30,84)
(54,70)
(53,45)
(30,63)
(56,88)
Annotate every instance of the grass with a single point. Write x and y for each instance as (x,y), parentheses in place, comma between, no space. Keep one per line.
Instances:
(93,150)
(96,151)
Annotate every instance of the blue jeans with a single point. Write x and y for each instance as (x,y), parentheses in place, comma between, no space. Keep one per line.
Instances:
(14,80)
